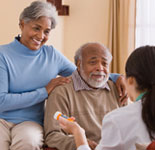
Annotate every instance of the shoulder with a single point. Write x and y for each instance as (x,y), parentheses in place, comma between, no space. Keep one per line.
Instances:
(127,124)
(5,51)
(5,48)
(50,49)
(111,84)
(113,88)
(63,89)
(132,111)
(53,53)
(61,94)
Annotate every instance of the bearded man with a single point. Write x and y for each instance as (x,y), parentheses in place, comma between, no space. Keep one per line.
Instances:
(88,97)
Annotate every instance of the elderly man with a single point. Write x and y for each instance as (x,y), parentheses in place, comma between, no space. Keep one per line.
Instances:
(88,97)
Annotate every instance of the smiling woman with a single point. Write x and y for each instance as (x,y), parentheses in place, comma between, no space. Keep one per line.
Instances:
(35,33)
(36,65)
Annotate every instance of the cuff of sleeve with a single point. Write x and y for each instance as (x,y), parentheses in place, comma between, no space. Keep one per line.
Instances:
(114,77)
(83,147)
(44,89)
(43,93)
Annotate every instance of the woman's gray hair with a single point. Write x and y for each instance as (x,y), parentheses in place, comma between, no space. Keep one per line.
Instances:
(78,53)
(39,9)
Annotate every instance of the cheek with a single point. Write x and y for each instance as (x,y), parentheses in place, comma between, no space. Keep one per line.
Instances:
(45,40)
(84,69)
(106,70)
(88,71)
(27,34)
(128,90)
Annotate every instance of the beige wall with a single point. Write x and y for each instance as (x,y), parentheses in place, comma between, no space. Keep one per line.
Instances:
(86,22)
(9,14)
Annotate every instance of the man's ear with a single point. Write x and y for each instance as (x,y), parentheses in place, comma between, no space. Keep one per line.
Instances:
(78,64)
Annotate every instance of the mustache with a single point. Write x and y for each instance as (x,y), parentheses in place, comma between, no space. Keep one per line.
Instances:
(98,73)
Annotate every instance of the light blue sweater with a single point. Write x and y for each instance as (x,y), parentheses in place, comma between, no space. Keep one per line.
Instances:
(23,76)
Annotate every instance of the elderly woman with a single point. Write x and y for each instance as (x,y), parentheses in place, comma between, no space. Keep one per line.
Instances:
(132,125)
(28,71)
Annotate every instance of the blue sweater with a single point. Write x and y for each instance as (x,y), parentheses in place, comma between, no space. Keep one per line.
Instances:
(23,76)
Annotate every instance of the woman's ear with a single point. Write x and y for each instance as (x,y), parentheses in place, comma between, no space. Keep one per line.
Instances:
(21,24)
(131,80)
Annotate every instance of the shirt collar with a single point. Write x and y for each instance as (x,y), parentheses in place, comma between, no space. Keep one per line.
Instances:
(79,84)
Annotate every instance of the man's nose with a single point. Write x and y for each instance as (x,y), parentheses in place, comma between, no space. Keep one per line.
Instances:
(99,67)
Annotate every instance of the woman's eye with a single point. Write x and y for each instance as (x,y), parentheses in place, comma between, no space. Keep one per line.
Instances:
(47,32)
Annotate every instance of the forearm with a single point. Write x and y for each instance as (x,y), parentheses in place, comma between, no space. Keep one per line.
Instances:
(12,101)
(60,141)
(11,98)
(80,137)
(114,77)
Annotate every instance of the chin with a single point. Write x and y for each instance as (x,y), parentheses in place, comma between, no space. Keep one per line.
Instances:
(95,84)
(34,48)
(131,98)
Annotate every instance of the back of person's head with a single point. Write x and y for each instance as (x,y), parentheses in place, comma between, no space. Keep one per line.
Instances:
(39,9)
(141,66)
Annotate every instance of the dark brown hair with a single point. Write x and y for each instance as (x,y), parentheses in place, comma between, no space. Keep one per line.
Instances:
(141,66)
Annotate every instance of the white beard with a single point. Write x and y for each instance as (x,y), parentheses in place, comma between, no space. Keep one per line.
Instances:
(95,83)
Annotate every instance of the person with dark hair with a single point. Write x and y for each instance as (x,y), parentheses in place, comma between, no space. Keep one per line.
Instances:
(28,74)
(132,125)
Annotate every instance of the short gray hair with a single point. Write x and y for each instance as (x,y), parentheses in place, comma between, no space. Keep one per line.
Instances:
(78,53)
(39,9)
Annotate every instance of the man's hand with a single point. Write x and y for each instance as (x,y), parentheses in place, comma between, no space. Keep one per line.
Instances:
(92,144)
(120,84)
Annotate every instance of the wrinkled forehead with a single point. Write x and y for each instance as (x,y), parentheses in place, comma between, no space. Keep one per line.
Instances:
(96,51)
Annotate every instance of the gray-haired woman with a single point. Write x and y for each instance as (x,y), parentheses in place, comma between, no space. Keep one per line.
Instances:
(27,72)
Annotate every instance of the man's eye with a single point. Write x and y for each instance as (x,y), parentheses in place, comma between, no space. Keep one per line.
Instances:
(105,64)
(36,28)
(92,62)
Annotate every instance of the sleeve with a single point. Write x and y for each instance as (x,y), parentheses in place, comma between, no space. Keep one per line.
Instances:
(66,67)
(11,101)
(114,76)
(54,136)
(111,138)
(83,147)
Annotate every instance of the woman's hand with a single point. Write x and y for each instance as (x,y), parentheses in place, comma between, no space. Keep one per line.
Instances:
(74,128)
(56,82)
(71,127)
(92,144)
(120,84)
